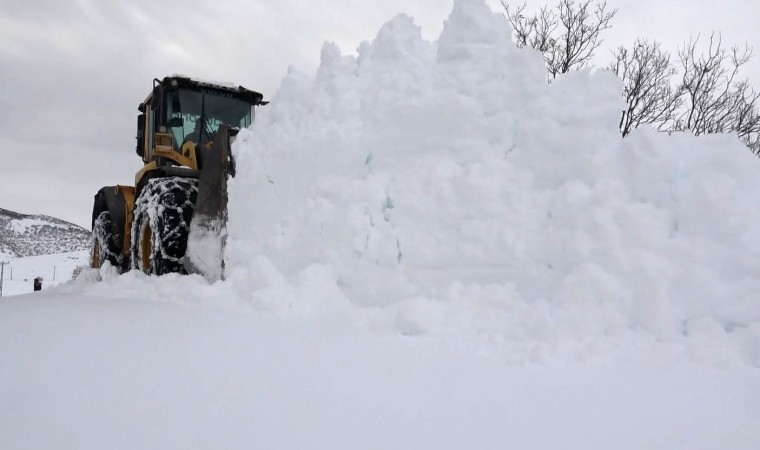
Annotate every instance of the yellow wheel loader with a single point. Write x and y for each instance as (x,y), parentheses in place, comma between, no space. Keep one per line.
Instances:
(173,220)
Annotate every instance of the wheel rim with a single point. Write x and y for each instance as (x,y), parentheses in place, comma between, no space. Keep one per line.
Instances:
(146,246)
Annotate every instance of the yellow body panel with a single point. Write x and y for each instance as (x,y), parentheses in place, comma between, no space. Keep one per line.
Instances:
(146,168)
(129,199)
(182,160)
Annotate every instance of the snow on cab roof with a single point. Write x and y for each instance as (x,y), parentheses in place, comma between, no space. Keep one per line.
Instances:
(216,83)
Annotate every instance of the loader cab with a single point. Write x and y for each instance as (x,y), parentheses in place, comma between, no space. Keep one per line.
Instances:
(181,109)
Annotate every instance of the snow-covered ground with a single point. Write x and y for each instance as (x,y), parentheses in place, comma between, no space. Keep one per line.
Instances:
(429,247)
(106,368)
(19,273)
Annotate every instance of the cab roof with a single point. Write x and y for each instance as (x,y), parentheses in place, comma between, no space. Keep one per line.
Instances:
(181,81)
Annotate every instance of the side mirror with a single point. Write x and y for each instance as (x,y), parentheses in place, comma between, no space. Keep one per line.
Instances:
(140,149)
(175,122)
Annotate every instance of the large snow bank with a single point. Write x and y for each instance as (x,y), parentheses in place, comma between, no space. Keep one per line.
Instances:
(445,189)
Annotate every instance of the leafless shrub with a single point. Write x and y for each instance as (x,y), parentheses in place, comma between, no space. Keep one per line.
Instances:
(647,75)
(704,96)
(715,101)
(567,36)
(708,97)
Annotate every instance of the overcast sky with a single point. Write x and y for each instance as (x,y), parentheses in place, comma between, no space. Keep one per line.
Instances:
(72,72)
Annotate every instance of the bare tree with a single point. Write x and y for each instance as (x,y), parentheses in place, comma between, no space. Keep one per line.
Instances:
(715,101)
(534,31)
(650,97)
(708,97)
(747,116)
(567,38)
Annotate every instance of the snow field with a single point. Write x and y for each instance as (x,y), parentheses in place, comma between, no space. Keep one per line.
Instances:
(444,189)
(109,370)
(429,248)
(55,269)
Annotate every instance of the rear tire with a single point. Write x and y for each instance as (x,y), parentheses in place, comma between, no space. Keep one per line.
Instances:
(102,246)
(161,225)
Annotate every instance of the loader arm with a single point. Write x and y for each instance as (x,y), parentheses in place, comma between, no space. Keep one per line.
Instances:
(208,227)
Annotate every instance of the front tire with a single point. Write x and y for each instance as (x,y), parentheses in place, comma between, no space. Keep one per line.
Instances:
(102,245)
(161,225)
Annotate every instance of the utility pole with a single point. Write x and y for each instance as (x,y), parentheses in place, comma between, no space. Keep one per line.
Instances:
(2,276)
(53,273)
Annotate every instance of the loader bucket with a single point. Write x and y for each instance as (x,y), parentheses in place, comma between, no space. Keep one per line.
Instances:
(208,227)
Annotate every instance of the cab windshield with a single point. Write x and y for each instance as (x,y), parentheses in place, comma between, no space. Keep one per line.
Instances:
(202,112)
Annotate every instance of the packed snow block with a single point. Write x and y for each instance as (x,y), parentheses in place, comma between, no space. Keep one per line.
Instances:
(476,59)
(417,169)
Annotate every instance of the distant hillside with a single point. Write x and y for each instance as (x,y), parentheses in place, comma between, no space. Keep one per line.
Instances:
(32,235)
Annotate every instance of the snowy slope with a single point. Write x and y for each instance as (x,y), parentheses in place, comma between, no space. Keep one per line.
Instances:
(428,248)
(32,235)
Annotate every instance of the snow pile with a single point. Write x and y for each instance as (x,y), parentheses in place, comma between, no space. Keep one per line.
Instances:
(445,189)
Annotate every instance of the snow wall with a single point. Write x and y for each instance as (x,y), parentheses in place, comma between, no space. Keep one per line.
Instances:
(445,189)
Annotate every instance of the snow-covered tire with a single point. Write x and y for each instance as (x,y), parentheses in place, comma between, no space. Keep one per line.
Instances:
(161,225)
(102,246)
